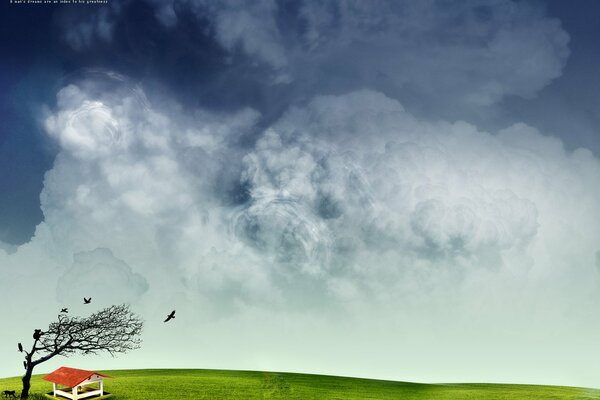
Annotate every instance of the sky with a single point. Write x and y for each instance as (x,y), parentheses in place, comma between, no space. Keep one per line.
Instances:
(386,189)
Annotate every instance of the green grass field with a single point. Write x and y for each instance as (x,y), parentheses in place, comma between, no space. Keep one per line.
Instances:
(216,384)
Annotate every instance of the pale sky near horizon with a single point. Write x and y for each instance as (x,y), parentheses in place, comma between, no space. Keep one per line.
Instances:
(386,189)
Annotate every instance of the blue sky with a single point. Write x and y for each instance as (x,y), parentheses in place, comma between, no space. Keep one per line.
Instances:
(273,169)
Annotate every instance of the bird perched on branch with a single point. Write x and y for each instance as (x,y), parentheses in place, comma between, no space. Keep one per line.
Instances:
(37,334)
(25,364)
(170,316)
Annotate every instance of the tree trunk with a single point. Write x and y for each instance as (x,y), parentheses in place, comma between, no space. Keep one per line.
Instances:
(26,382)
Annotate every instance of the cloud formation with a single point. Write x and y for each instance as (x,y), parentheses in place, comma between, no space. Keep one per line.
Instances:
(429,53)
(297,167)
(349,193)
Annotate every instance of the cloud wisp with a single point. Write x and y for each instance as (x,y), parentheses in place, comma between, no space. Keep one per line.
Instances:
(269,54)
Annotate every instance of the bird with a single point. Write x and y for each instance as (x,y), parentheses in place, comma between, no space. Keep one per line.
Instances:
(64,310)
(170,316)
(20,347)
(37,334)
(87,301)
(25,364)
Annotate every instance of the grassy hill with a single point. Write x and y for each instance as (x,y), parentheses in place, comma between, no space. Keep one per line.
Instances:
(244,385)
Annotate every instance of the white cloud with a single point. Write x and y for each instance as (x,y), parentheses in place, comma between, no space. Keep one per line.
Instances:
(350,190)
(85,128)
(348,204)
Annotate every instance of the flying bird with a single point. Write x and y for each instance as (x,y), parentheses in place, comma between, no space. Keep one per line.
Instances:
(170,316)
(64,310)
(87,301)
(20,347)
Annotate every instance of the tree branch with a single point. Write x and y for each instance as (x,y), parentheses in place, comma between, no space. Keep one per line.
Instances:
(114,330)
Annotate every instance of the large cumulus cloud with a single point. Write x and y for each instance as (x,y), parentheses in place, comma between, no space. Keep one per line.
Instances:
(349,194)
(438,195)
(348,203)
(451,61)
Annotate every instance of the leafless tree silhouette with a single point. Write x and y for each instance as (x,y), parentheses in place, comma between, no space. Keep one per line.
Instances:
(115,329)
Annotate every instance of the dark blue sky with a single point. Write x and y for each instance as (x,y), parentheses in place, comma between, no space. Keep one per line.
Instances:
(186,62)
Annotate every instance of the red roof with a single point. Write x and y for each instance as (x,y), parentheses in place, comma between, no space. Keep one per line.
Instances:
(70,377)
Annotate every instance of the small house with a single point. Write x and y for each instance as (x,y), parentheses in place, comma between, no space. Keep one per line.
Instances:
(75,384)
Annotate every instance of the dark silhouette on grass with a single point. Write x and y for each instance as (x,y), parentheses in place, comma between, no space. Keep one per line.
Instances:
(115,329)
(64,310)
(170,316)
(87,301)
(9,393)
(20,346)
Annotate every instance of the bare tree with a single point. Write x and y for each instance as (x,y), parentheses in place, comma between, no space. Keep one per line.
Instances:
(115,329)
